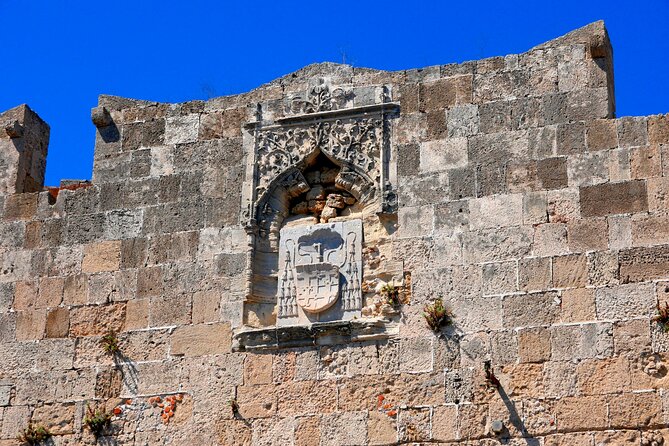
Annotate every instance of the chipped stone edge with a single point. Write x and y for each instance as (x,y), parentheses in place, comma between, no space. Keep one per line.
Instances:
(316,334)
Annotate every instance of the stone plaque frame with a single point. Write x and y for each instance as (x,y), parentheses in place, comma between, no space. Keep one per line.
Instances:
(349,126)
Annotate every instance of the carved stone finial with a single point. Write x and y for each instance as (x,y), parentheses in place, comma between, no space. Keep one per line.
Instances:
(101,117)
(14,129)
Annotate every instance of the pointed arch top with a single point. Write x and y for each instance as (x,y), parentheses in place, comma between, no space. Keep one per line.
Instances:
(286,136)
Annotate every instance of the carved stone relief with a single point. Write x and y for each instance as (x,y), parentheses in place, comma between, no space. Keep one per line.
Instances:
(315,162)
(320,97)
(320,269)
(353,142)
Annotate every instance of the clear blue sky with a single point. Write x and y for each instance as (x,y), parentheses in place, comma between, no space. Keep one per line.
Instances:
(58,56)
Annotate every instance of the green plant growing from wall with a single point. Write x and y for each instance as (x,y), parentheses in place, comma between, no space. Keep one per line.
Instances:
(97,420)
(34,434)
(662,316)
(437,315)
(110,344)
(391,294)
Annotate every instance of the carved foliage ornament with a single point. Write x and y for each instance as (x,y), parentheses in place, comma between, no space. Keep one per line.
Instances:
(320,98)
(352,142)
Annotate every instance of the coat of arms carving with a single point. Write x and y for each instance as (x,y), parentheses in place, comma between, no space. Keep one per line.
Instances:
(320,268)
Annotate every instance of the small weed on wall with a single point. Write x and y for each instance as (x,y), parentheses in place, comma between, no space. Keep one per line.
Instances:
(437,315)
(662,316)
(109,343)
(98,420)
(34,434)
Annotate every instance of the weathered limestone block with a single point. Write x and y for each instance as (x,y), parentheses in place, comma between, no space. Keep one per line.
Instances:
(416,221)
(257,401)
(645,162)
(182,129)
(222,124)
(632,132)
(123,224)
(55,386)
(552,173)
(143,134)
(550,239)
(168,310)
(424,189)
(578,305)
(59,417)
(534,273)
(601,134)
(75,290)
(620,168)
(416,355)
(625,301)
(570,271)
(24,138)
(30,325)
(570,413)
(198,340)
(563,205)
(496,211)
(151,378)
(445,92)
(531,309)
(15,419)
(639,264)
(472,420)
(589,168)
(146,345)
(137,314)
(97,319)
(614,198)
(650,231)
(292,401)
(57,323)
(414,424)
(570,138)
(443,154)
(588,235)
(638,410)
(631,336)
(584,341)
(603,376)
(452,216)
(7,327)
(500,278)
(534,345)
(20,206)
(522,176)
(497,244)
(462,120)
(103,256)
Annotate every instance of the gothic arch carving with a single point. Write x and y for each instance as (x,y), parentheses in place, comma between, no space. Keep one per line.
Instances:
(274,204)
(285,146)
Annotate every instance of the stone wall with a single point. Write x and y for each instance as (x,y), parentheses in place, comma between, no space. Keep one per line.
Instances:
(539,218)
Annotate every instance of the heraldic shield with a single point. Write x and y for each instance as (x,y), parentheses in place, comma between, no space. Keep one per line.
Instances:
(320,266)
(317,286)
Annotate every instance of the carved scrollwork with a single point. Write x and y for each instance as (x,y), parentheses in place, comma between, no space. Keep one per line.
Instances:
(352,142)
(320,98)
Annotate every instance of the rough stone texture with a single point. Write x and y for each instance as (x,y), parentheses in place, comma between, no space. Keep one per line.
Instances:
(538,218)
(614,198)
